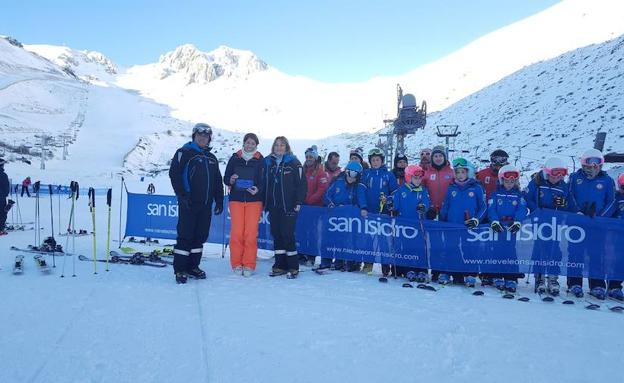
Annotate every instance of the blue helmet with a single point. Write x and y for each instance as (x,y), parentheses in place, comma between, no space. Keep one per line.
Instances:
(462,163)
(355,167)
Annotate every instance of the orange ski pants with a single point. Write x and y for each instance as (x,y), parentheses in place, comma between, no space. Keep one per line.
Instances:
(245,217)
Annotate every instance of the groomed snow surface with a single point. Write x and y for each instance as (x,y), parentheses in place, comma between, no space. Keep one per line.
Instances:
(134,324)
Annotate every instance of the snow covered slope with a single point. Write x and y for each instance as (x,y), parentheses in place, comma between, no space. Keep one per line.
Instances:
(253,94)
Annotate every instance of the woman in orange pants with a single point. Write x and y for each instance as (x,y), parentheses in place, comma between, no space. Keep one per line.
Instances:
(244,175)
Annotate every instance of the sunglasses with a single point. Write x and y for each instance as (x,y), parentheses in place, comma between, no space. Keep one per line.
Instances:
(593,161)
(510,175)
(499,160)
(557,172)
(425,153)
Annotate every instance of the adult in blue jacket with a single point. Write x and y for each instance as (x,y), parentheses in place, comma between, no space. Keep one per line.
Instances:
(464,203)
(548,190)
(507,208)
(615,286)
(593,193)
(346,190)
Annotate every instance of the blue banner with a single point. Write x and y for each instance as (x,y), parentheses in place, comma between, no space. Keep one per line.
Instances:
(549,241)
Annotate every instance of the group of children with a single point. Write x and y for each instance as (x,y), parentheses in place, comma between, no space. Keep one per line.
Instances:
(453,192)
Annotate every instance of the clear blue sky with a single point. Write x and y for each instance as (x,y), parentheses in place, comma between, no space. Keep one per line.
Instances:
(328,40)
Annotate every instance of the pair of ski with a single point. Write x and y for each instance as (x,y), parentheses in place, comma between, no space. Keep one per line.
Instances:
(139,259)
(35,250)
(18,267)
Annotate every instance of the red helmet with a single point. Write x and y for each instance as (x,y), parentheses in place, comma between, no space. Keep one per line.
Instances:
(413,170)
(621,180)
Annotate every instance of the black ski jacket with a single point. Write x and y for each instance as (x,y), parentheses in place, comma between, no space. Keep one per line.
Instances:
(285,183)
(195,174)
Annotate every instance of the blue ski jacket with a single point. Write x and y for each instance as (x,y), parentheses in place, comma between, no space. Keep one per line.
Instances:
(407,198)
(593,197)
(463,202)
(507,205)
(540,194)
(340,193)
(378,181)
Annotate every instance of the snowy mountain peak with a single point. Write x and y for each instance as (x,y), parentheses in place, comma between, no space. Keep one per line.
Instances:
(90,66)
(199,67)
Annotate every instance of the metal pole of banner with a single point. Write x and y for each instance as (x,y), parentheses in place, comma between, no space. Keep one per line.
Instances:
(120,207)
(224,213)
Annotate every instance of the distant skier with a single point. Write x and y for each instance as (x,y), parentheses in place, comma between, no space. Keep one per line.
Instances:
(197,183)
(5,188)
(357,154)
(151,189)
(593,194)
(25,185)
(425,159)
(489,175)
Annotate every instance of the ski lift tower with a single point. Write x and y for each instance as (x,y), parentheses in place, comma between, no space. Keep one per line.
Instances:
(447,134)
(409,119)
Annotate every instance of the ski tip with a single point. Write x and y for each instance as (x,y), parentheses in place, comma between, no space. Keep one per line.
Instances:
(592,306)
(548,299)
(408,285)
(383,279)
(508,296)
(567,302)
(523,299)
(424,286)
(478,293)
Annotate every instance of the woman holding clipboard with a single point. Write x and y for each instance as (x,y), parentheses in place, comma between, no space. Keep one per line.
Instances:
(244,175)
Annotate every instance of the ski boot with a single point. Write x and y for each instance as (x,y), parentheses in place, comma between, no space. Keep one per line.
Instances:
(486,281)
(511,286)
(411,276)
(598,293)
(238,270)
(247,272)
(292,274)
(470,281)
(277,272)
(553,285)
(499,284)
(576,290)
(180,278)
(367,268)
(197,273)
(540,285)
(616,294)
(422,277)
(444,279)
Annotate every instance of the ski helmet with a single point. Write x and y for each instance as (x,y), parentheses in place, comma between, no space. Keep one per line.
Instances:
(592,157)
(413,170)
(357,152)
(555,167)
(375,152)
(508,172)
(400,157)
(462,163)
(621,180)
(353,169)
(202,128)
(499,157)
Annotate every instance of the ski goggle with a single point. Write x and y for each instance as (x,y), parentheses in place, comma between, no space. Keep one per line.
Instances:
(202,129)
(510,175)
(592,161)
(460,162)
(425,153)
(556,172)
(352,173)
(499,160)
(375,152)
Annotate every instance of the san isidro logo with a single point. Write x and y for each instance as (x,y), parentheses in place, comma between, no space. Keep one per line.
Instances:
(169,209)
(545,231)
(371,227)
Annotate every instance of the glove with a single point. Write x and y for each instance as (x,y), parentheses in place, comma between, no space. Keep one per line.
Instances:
(420,208)
(218,209)
(513,229)
(432,213)
(497,227)
(184,202)
(471,223)
(559,201)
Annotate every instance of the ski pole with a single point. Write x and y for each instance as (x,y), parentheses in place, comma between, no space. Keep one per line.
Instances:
(422,230)
(36,187)
(109,197)
(72,186)
(120,207)
(59,208)
(52,224)
(91,195)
